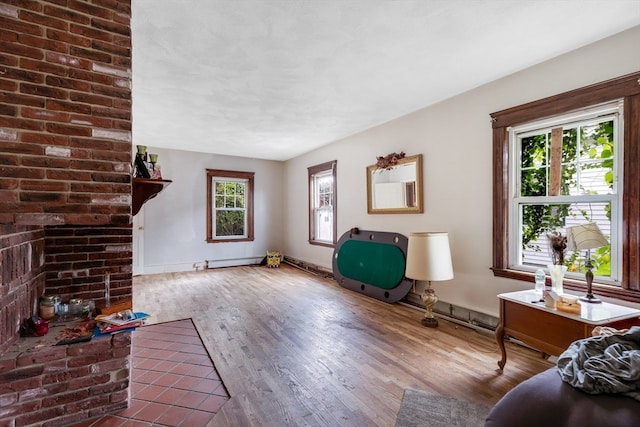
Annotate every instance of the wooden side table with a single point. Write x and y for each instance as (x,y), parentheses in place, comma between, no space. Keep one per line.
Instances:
(551,331)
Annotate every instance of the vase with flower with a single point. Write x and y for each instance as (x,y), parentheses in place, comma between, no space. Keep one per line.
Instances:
(557,269)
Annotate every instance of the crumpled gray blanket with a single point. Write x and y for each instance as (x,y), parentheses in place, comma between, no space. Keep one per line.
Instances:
(604,364)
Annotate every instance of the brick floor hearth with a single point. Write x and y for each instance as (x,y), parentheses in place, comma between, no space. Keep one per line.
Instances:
(174,382)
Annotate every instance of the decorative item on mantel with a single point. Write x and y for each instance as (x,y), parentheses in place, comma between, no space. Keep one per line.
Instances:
(155,167)
(146,165)
(141,169)
(147,178)
(389,161)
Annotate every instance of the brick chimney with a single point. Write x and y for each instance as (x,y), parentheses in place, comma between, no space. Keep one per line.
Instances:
(65,158)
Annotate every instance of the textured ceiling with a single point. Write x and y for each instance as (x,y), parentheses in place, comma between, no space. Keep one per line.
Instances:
(275,79)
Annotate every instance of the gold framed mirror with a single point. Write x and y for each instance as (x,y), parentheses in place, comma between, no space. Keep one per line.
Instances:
(396,190)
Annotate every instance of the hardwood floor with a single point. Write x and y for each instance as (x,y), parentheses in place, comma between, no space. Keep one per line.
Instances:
(296,349)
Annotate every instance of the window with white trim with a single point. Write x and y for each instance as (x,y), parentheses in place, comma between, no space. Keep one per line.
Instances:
(322,204)
(229,206)
(565,172)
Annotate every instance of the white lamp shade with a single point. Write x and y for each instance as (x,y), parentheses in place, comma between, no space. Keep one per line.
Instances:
(585,236)
(429,257)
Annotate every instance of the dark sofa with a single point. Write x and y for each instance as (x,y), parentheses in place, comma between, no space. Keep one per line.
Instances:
(544,400)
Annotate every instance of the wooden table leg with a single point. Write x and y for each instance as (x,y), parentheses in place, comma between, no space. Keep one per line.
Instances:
(500,341)
(500,338)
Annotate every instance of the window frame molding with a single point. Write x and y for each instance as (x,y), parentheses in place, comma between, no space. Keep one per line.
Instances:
(626,87)
(220,173)
(333,166)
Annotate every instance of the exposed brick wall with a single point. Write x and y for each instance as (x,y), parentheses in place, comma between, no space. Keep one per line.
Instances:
(59,385)
(23,278)
(65,166)
(65,136)
(81,262)
(65,112)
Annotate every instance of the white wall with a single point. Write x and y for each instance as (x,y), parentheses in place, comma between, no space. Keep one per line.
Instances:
(174,236)
(455,138)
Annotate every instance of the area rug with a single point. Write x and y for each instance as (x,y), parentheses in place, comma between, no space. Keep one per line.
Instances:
(423,409)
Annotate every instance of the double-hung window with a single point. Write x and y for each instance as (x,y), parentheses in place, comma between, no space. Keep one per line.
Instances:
(322,204)
(229,206)
(570,159)
(565,172)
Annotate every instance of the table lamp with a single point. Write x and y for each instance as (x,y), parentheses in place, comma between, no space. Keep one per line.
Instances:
(586,237)
(429,258)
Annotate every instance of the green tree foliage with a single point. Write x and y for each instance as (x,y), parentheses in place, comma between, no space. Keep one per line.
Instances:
(229,223)
(535,167)
(229,208)
(596,152)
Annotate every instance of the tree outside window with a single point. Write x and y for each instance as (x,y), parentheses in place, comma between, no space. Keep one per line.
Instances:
(566,173)
(229,206)
(229,210)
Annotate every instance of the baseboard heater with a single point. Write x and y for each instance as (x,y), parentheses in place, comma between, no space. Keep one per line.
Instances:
(231,262)
(310,268)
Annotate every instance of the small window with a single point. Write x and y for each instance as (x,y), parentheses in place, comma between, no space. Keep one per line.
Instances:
(322,204)
(229,206)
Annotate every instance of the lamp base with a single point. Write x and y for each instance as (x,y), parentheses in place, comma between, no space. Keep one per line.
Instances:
(430,322)
(589,278)
(429,298)
(590,298)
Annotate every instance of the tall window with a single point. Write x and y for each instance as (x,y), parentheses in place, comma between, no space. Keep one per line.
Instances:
(229,206)
(565,160)
(322,204)
(566,173)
